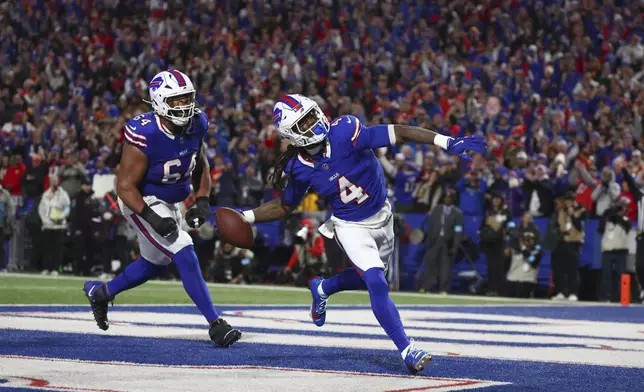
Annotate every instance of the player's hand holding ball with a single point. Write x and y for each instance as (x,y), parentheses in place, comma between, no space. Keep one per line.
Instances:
(234,228)
(165,226)
(198,214)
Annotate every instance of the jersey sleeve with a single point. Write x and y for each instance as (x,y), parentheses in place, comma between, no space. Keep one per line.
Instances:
(294,192)
(134,135)
(363,137)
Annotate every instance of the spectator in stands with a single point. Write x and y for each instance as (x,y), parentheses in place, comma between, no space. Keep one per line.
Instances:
(228,188)
(13,175)
(565,259)
(472,189)
(606,193)
(309,255)
(525,256)
(54,209)
(428,192)
(492,234)
(252,188)
(84,220)
(405,175)
(538,190)
(72,174)
(638,195)
(526,225)
(583,182)
(443,235)
(33,180)
(115,248)
(7,222)
(614,227)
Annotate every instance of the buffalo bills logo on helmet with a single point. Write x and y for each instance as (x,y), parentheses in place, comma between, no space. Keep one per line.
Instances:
(277,117)
(156,83)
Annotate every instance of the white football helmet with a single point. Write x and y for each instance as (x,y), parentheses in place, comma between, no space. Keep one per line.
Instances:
(172,84)
(300,120)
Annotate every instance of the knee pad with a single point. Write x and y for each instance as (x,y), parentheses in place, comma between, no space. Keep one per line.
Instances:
(375,280)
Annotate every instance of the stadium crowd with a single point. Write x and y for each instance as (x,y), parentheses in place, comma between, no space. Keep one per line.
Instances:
(555,86)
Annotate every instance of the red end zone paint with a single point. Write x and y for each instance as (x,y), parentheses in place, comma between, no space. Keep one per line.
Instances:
(41,383)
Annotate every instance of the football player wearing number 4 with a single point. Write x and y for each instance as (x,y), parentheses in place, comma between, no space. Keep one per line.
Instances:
(162,148)
(337,161)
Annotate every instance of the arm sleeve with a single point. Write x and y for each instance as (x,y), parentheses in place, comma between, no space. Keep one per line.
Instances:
(372,137)
(294,192)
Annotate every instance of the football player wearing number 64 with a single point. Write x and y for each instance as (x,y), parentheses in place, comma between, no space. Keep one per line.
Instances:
(337,161)
(162,149)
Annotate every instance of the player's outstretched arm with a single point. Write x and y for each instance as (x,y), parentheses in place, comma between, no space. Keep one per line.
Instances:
(269,211)
(459,145)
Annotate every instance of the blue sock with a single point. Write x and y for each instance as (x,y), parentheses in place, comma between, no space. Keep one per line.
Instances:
(384,308)
(133,275)
(345,280)
(193,282)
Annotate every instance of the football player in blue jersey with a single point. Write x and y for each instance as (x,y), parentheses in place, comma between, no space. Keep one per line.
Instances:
(337,161)
(162,149)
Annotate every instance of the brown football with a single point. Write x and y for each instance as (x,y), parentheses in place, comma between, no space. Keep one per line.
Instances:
(233,228)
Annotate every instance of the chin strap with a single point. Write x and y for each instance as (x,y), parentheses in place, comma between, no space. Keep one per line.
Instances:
(315,148)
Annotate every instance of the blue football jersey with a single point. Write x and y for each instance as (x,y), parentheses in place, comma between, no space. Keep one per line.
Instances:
(346,173)
(171,158)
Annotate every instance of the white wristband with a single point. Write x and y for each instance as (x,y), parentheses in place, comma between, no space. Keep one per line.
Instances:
(441,141)
(249,215)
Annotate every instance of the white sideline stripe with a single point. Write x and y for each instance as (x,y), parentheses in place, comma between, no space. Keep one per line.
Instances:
(97,376)
(589,355)
(539,302)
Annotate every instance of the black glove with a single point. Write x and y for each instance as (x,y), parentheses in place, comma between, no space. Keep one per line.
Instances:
(197,215)
(164,226)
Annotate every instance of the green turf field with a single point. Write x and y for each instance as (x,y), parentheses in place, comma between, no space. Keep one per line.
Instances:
(34,289)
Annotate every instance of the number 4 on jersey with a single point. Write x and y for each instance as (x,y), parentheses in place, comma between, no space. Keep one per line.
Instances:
(350,192)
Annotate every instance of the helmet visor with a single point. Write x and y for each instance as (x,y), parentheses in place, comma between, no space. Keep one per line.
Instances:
(306,126)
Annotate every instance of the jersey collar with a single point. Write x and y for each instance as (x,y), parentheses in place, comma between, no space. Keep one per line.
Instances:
(162,128)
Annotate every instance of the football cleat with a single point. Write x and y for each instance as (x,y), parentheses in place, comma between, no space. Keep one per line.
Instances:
(98,300)
(222,334)
(318,307)
(416,359)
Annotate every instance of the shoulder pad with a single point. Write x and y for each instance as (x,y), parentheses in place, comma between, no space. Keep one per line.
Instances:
(345,127)
(144,123)
(203,119)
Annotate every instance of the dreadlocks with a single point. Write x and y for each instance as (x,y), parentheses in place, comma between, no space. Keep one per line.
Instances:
(277,178)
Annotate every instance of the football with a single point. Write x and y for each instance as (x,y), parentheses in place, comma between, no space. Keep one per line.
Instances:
(233,228)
